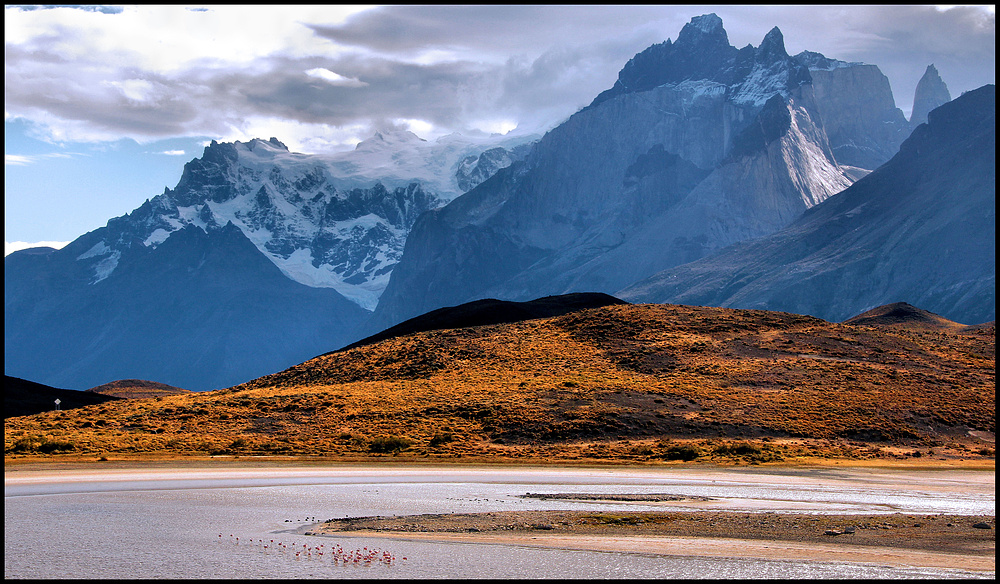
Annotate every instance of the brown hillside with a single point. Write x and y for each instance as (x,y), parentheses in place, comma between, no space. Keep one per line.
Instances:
(901,314)
(137,389)
(627,382)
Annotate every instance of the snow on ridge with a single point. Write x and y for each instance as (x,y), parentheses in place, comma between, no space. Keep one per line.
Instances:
(100,248)
(365,222)
(817,177)
(299,267)
(761,84)
(396,159)
(694,89)
(157,237)
(191,216)
(106,266)
(835,64)
(706,23)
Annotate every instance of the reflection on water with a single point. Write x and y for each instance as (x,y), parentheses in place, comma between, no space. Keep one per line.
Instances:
(149,528)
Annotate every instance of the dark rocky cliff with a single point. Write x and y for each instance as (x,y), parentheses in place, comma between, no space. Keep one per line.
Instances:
(920,229)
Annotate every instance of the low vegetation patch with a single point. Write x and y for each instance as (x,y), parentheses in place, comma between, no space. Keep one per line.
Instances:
(649,384)
(389,444)
(687,452)
(40,444)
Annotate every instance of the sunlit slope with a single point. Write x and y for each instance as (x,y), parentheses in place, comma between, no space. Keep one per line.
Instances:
(619,382)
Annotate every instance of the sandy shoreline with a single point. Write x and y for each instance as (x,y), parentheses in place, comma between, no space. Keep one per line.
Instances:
(936,541)
(36,463)
(712,547)
(64,462)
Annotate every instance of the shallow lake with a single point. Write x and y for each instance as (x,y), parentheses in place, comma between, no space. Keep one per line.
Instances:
(182,522)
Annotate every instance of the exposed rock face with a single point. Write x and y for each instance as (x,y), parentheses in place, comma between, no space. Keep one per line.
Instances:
(862,122)
(476,169)
(697,145)
(703,52)
(931,92)
(921,229)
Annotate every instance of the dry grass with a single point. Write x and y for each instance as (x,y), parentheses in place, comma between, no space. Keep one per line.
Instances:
(644,383)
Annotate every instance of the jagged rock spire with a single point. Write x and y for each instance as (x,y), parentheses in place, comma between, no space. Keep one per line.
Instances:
(702,52)
(703,29)
(772,47)
(931,92)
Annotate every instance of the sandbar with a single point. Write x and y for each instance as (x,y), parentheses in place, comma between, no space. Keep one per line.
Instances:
(933,541)
(715,547)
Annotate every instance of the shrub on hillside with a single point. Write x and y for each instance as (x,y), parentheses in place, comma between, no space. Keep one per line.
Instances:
(686,452)
(440,438)
(387,444)
(40,444)
(748,451)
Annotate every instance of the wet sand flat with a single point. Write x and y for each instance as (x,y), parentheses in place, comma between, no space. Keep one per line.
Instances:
(715,547)
(940,541)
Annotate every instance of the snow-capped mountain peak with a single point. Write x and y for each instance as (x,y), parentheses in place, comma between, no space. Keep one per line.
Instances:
(702,53)
(335,220)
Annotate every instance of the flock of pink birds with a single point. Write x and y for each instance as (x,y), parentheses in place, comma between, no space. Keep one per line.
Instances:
(335,553)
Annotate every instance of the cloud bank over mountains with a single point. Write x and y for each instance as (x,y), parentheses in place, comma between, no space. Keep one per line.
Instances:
(322,77)
(103,105)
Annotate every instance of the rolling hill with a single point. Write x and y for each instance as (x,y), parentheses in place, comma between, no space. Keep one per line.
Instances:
(136,389)
(619,382)
(23,398)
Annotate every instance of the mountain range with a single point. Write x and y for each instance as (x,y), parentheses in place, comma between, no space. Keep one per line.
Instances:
(921,229)
(696,147)
(257,259)
(261,258)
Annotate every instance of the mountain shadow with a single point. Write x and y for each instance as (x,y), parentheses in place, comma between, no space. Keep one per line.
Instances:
(24,398)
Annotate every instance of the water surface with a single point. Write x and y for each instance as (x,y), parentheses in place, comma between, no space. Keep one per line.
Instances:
(167,523)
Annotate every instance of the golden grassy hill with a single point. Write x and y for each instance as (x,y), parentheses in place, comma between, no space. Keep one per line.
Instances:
(629,382)
(137,389)
(903,315)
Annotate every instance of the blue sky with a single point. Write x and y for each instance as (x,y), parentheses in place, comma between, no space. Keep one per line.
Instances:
(56,192)
(104,105)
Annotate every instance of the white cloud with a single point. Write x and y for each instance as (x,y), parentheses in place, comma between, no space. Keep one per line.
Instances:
(17,160)
(133,89)
(501,126)
(165,38)
(421,128)
(24,160)
(10,247)
(153,72)
(307,138)
(334,78)
(173,152)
